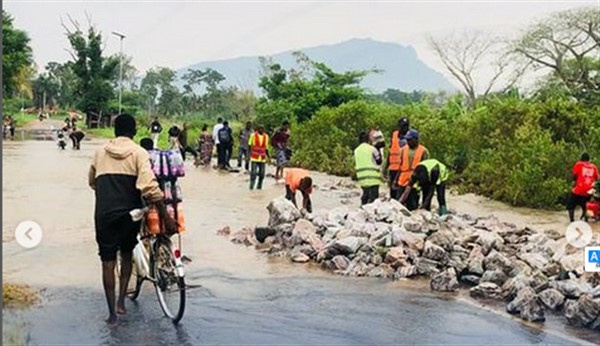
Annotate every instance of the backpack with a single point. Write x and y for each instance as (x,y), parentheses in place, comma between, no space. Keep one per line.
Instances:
(167,164)
(224,135)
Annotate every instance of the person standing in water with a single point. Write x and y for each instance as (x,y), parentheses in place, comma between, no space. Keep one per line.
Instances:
(280,143)
(155,130)
(259,155)
(206,144)
(183,141)
(225,136)
(244,150)
(120,175)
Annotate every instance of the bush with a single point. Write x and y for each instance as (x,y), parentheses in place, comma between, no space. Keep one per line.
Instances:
(507,148)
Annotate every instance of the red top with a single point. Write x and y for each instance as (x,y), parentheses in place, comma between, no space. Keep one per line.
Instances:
(586,174)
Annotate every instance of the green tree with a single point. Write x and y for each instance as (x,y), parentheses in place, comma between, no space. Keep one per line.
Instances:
(17,57)
(568,44)
(297,94)
(64,78)
(160,93)
(94,72)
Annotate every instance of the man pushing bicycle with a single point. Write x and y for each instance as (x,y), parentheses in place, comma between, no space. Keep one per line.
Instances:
(121,176)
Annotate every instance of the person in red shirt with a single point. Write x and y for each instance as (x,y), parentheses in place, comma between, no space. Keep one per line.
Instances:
(585,174)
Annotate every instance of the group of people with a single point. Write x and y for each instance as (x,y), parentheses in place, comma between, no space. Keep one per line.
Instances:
(70,130)
(253,153)
(408,168)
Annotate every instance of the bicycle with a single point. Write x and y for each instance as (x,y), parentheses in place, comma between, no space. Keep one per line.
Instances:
(156,259)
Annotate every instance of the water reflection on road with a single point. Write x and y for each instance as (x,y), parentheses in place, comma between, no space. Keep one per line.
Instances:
(245,298)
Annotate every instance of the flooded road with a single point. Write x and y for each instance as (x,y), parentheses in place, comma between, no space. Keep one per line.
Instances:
(245,298)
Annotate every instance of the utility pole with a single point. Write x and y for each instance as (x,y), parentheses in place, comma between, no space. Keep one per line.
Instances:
(121,37)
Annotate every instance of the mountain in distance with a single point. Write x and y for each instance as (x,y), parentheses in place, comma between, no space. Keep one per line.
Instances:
(400,67)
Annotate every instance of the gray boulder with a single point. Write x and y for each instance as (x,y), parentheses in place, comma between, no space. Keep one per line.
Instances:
(445,281)
(381,271)
(442,238)
(357,268)
(497,261)
(406,271)
(331,233)
(357,216)
(349,245)
(533,311)
(536,260)
(341,262)
(475,261)
(512,286)
(337,216)
(396,257)
(552,298)
(376,259)
(489,240)
(496,276)
(523,296)
(299,257)
(583,312)
(426,266)
(472,280)
(412,225)
(282,211)
(569,288)
(434,252)
(242,236)
(414,241)
(486,290)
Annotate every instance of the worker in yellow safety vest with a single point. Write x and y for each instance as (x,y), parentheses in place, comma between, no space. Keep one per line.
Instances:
(430,176)
(368,164)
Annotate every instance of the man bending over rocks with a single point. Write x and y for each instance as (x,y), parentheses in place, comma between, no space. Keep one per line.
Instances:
(298,179)
(431,176)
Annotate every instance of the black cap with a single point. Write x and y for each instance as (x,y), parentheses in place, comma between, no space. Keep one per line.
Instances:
(403,121)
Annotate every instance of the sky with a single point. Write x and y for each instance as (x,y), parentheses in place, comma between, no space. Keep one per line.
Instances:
(176,34)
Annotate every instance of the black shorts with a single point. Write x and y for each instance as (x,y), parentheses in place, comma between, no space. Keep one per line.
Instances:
(577,200)
(120,235)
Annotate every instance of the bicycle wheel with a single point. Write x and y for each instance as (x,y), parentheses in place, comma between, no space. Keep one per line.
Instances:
(134,285)
(169,283)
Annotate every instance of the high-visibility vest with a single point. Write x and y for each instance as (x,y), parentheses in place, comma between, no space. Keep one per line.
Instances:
(367,171)
(407,168)
(258,143)
(293,177)
(394,157)
(430,165)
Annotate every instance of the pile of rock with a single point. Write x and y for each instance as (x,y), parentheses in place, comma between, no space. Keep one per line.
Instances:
(533,272)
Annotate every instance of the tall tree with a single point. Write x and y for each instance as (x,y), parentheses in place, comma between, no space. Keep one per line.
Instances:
(465,54)
(94,71)
(160,93)
(568,44)
(299,93)
(17,57)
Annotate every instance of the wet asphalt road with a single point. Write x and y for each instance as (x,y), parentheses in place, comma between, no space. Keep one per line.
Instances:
(245,298)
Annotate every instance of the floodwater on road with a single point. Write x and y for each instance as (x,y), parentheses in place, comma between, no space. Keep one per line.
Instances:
(245,298)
